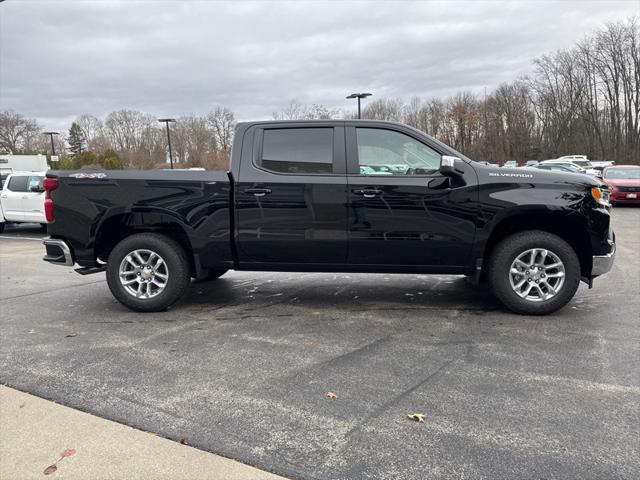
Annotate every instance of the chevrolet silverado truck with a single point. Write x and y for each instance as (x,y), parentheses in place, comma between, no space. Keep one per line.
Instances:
(333,196)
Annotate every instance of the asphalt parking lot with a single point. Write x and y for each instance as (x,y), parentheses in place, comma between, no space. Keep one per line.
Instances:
(242,365)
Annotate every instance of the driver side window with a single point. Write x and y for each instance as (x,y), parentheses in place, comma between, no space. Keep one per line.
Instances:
(386,152)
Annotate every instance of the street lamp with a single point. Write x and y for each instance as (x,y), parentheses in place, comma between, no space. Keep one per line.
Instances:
(166,121)
(359,96)
(53,147)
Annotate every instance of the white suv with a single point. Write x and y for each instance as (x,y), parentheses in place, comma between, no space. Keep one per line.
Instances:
(22,199)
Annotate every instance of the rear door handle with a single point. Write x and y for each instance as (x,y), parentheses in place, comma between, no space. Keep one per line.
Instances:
(258,192)
(368,192)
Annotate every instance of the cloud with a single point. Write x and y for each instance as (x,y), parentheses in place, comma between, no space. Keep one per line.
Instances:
(61,59)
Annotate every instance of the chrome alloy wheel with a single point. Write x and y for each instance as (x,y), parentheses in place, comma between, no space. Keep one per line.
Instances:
(143,273)
(537,275)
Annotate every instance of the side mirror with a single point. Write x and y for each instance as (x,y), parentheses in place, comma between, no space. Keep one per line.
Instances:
(36,189)
(448,165)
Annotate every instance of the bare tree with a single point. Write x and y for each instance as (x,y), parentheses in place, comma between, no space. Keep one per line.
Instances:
(223,123)
(17,133)
(94,134)
(298,111)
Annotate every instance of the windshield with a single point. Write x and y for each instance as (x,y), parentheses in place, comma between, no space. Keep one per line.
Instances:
(623,173)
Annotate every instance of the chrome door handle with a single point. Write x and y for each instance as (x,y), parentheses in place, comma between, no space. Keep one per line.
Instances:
(368,192)
(258,192)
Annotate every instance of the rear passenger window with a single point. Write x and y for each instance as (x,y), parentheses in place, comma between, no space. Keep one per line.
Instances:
(297,150)
(35,182)
(18,183)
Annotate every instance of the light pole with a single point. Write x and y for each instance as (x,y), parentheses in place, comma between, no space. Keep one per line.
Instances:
(166,121)
(359,96)
(53,147)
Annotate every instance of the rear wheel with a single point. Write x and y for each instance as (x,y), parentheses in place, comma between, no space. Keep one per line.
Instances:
(534,272)
(2,224)
(148,272)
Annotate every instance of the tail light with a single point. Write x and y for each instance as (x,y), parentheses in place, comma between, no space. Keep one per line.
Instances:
(49,184)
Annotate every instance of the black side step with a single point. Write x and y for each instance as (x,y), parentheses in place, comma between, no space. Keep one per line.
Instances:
(89,270)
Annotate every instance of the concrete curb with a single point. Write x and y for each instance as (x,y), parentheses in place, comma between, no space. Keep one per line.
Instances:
(34,433)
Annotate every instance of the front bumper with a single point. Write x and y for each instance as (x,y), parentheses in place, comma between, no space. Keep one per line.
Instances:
(58,252)
(603,263)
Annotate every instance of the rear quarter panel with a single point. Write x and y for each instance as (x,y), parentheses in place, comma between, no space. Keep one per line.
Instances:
(197,201)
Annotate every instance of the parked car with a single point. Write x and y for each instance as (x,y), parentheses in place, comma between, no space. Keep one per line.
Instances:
(530,163)
(295,199)
(578,163)
(22,199)
(600,166)
(560,167)
(580,160)
(624,182)
(510,164)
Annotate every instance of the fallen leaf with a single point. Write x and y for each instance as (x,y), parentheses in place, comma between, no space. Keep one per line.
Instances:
(331,395)
(68,452)
(183,441)
(417,417)
(22,405)
(50,469)
(69,335)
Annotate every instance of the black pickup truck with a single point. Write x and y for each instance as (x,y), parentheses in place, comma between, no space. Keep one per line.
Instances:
(333,196)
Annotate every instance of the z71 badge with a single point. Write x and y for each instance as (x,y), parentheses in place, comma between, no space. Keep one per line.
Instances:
(88,175)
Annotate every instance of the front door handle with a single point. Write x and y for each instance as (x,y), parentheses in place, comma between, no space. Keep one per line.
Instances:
(258,192)
(368,192)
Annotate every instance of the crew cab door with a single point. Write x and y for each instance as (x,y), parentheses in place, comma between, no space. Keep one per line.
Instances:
(33,201)
(14,190)
(291,195)
(402,211)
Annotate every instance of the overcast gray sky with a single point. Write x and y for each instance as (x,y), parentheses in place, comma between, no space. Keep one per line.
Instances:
(59,59)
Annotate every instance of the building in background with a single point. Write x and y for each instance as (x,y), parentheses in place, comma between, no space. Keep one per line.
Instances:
(21,163)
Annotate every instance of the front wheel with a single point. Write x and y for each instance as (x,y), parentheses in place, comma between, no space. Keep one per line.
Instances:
(148,272)
(534,272)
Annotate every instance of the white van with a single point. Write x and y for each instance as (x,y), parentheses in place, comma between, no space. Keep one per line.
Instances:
(22,199)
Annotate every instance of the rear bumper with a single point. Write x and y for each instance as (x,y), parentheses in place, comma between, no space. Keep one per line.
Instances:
(58,252)
(603,263)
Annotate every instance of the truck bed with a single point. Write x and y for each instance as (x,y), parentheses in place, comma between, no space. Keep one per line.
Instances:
(195,203)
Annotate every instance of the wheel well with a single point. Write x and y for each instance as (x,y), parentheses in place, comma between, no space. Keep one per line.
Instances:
(116,228)
(570,229)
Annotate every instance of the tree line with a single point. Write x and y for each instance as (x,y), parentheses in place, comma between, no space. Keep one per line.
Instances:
(580,100)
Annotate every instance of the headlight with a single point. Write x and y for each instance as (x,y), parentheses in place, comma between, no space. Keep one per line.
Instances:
(600,195)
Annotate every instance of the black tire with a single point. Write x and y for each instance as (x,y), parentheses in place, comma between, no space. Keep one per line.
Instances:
(212,275)
(43,227)
(170,251)
(509,249)
(2,224)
